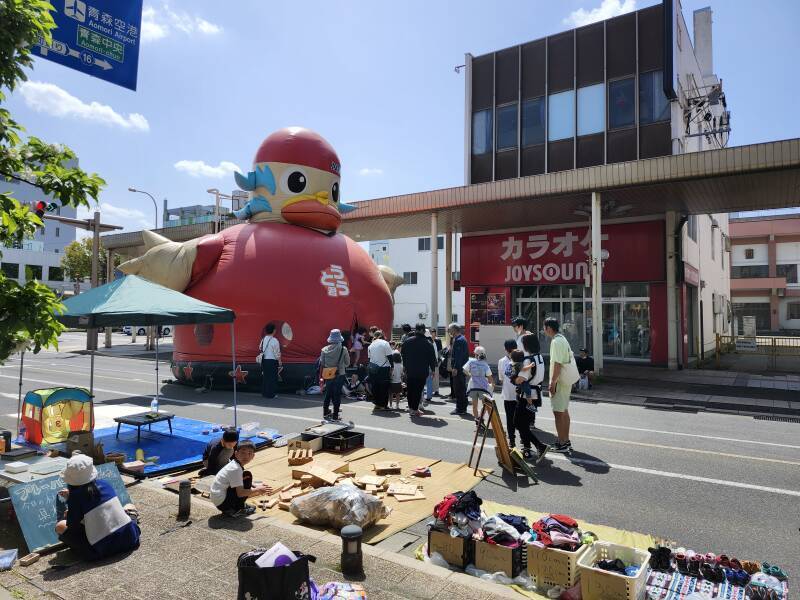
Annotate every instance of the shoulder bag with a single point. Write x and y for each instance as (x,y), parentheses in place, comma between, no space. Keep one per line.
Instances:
(329,373)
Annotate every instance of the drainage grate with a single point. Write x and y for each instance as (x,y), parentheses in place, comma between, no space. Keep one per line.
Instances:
(778,419)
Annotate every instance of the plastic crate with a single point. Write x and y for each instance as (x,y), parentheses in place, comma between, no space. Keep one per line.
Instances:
(344,441)
(597,584)
(552,566)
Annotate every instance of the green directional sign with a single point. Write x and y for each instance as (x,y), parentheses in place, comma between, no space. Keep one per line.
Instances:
(97,42)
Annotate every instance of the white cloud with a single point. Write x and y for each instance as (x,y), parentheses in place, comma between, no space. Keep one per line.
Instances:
(366,172)
(198,168)
(158,24)
(606,10)
(50,99)
(117,215)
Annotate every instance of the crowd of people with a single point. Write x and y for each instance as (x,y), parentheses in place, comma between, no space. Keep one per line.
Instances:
(365,364)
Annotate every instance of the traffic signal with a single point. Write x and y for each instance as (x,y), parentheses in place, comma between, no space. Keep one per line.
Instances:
(40,207)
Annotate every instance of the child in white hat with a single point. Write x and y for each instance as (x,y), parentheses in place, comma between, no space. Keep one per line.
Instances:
(95,524)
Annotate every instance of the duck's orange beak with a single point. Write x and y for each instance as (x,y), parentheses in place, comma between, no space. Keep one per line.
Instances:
(312,211)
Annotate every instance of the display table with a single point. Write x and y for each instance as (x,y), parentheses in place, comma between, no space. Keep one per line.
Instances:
(141,419)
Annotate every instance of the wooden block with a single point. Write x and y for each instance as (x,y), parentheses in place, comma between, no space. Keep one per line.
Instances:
(271,502)
(205,495)
(371,480)
(386,467)
(418,496)
(349,473)
(306,479)
(287,487)
(402,489)
(284,505)
(371,488)
(137,466)
(300,456)
(29,559)
(322,475)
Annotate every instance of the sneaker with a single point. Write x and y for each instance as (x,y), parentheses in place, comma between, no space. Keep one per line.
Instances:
(328,417)
(560,448)
(527,453)
(425,403)
(542,453)
(458,412)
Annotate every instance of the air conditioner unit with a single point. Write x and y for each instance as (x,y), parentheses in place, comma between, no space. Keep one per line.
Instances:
(422,315)
(727,244)
(781,292)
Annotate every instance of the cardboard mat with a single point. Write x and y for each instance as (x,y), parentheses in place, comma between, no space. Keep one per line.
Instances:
(271,466)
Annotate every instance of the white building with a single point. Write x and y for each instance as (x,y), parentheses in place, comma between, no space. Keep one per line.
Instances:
(40,257)
(411,258)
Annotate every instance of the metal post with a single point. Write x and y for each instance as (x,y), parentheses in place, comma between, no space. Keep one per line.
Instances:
(91,333)
(672,303)
(19,398)
(448,280)
(434,271)
(597,285)
(233,359)
(109,277)
(91,375)
(216,212)
(155,329)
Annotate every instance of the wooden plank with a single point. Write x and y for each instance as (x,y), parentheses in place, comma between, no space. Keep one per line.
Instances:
(402,489)
(370,480)
(418,496)
(386,467)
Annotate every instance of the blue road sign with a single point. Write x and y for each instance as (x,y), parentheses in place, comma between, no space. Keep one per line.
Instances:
(98,37)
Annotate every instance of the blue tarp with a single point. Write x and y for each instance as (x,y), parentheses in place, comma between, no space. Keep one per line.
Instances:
(179,451)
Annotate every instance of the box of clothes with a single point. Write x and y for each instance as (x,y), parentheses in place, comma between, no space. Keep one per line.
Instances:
(613,572)
(501,544)
(457,551)
(553,554)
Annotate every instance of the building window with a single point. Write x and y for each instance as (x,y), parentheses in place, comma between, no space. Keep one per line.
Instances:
(10,270)
(788,271)
(456,275)
(506,127)
(653,103)
(424,244)
(749,272)
(621,103)
(482,132)
(749,253)
(533,123)
(793,310)
(691,227)
(591,109)
(55,274)
(561,116)
(713,245)
(410,278)
(58,232)
(454,317)
(33,272)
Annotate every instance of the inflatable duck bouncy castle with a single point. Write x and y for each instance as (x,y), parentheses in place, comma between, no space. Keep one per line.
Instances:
(286,265)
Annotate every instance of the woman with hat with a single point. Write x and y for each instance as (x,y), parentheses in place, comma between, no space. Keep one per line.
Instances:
(333,363)
(89,516)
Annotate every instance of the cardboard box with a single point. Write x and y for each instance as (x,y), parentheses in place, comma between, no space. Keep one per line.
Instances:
(493,558)
(456,551)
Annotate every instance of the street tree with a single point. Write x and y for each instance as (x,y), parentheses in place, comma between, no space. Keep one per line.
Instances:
(77,260)
(27,312)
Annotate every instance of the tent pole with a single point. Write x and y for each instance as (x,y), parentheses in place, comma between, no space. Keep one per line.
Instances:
(19,398)
(91,390)
(157,336)
(233,357)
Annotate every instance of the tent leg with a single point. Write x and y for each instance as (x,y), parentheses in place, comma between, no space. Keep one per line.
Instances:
(156,335)
(91,390)
(19,398)
(233,357)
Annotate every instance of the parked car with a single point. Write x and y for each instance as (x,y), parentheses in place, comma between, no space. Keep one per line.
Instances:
(166,330)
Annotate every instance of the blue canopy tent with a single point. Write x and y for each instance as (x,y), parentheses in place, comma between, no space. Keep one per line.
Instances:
(132,299)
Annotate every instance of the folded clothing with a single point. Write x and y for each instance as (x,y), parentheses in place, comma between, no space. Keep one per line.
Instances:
(497,531)
(517,522)
(557,531)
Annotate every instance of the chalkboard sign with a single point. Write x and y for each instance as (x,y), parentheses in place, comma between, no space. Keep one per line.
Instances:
(35,505)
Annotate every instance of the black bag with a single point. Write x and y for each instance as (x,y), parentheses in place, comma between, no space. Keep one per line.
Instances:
(274,583)
(443,370)
(378,374)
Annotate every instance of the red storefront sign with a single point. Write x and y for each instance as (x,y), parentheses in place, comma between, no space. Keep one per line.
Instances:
(635,253)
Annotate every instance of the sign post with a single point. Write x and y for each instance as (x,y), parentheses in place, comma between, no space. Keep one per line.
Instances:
(97,37)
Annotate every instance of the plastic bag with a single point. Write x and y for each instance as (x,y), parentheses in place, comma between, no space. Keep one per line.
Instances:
(522,580)
(338,506)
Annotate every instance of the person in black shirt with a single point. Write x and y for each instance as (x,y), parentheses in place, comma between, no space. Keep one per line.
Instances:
(585,365)
(219,452)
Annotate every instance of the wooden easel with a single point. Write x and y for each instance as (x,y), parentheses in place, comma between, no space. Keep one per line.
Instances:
(511,460)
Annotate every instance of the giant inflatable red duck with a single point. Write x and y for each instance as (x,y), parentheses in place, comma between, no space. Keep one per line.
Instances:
(287,265)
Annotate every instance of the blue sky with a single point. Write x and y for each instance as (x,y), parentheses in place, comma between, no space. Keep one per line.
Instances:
(375,78)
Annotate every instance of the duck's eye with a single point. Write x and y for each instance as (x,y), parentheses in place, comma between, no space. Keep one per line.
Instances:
(294,182)
(335,192)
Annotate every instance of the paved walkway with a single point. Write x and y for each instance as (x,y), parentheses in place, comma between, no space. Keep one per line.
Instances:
(199,561)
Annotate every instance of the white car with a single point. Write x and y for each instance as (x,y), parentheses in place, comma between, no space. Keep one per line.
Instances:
(166,330)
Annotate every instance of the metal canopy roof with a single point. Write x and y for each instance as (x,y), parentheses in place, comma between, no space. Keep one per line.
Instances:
(758,176)
(754,177)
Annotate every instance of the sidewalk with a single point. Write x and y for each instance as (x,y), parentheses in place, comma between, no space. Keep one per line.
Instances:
(698,389)
(199,561)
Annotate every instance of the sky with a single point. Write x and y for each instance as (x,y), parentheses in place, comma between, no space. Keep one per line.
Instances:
(375,78)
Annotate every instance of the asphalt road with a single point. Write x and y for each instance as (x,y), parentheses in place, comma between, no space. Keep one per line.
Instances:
(713,482)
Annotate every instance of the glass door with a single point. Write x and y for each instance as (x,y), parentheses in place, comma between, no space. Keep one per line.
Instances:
(636,329)
(547,309)
(612,329)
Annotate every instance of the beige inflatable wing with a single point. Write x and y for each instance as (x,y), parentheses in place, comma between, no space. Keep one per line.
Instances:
(165,262)
(392,279)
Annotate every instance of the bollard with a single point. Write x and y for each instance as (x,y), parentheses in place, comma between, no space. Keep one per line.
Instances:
(184,499)
(351,550)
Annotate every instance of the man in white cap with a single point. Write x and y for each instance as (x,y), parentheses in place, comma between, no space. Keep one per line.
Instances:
(93,522)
